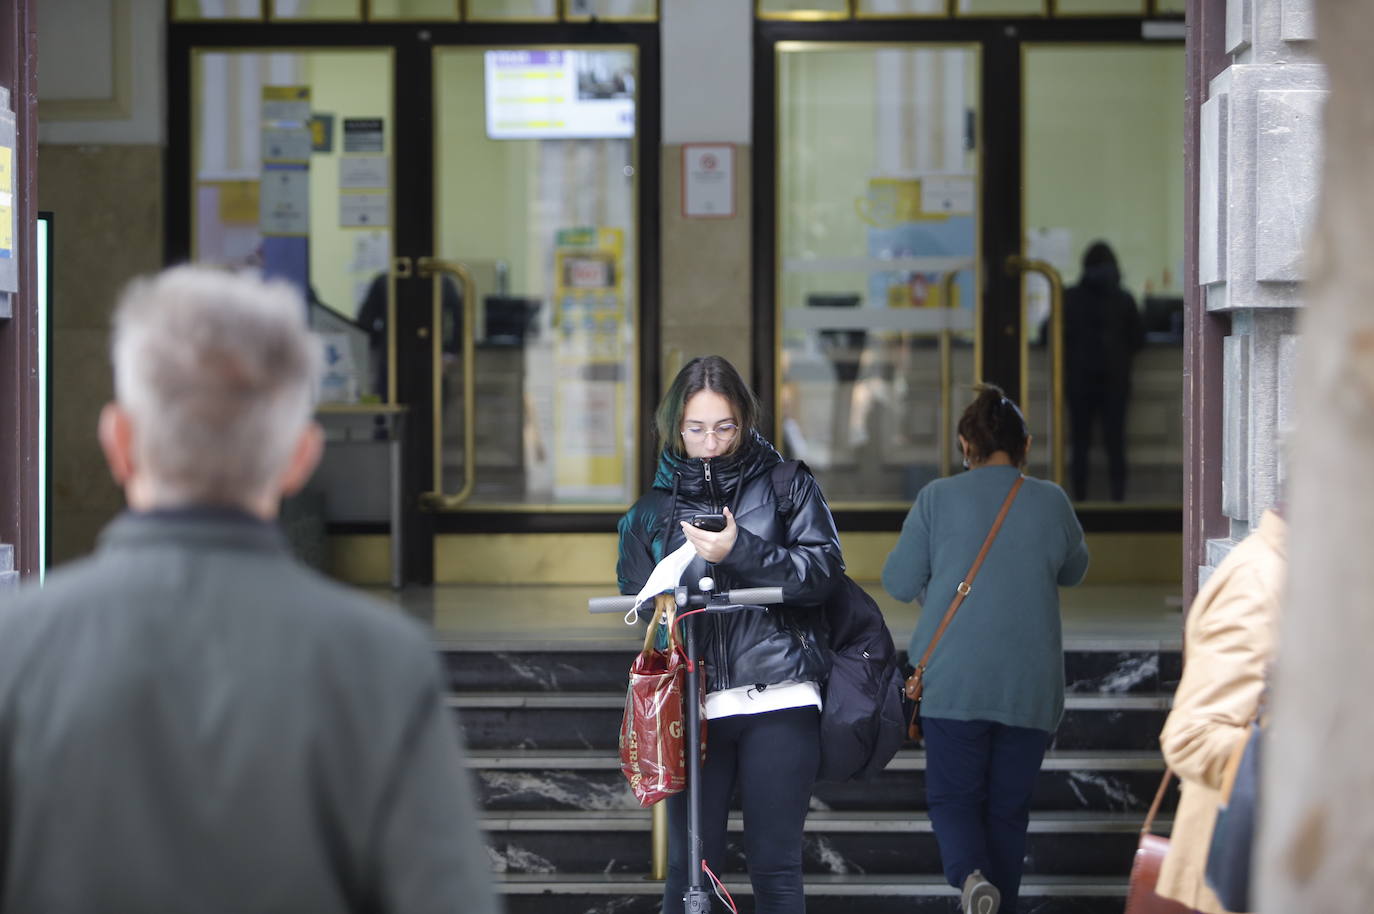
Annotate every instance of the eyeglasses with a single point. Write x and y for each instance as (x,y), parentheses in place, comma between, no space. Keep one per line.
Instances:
(724,433)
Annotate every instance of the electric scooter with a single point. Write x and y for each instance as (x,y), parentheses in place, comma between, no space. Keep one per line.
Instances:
(696,897)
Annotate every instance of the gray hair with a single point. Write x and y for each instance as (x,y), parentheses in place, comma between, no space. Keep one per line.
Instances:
(218,371)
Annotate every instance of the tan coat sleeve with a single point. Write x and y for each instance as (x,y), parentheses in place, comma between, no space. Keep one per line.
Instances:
(1229,640)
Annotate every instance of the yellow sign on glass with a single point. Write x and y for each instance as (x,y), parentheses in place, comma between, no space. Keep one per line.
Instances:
(238,203)
(6,169)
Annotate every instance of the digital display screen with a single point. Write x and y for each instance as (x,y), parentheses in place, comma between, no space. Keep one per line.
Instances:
(555,94)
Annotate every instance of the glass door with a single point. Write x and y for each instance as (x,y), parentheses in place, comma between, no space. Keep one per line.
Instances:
(535,191)
(879,294)
(463,208)
(1103,214)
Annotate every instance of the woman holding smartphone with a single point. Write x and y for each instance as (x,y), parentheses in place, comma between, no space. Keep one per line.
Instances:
(763,669)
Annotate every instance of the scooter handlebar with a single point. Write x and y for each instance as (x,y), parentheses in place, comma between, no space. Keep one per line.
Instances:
(620,605)
(757,596)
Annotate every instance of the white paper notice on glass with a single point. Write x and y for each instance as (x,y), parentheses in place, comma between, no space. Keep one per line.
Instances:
(947,194)
(284,200)
(364,210)
(364,172)
(286,144)
(708,181)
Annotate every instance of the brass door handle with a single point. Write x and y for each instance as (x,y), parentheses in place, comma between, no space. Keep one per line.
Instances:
(436,269)
(1016,265)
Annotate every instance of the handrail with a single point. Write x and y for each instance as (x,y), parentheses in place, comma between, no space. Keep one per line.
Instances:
(1017,264)
(436,268)
(946,375)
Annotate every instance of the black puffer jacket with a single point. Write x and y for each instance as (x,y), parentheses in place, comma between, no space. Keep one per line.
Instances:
(800,553)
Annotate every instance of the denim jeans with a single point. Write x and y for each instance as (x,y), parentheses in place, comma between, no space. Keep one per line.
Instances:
(979,780)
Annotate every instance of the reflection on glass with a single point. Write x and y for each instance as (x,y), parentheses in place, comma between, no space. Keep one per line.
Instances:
(194,10)
(1102,134)
(512,10)
(611,9)
(1000,7)
(878,216)
(328,10)
(545,222)
(808,9)
(902,7)
(413,9)
(292,172)
(1171,6)
(1099,7)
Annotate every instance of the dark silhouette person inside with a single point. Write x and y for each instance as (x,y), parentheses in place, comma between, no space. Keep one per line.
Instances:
(1102,334)
(372,319)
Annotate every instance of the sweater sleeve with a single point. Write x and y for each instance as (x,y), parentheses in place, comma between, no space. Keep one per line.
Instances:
(907,569)
(1227,649)
(1076,555)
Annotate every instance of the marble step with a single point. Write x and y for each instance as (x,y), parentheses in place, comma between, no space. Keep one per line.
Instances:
(836,843)
(1090,668)
(1089,780)
(598,893)
(591,720)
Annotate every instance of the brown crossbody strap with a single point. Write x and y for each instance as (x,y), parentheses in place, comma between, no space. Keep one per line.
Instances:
(967,583)
(1154,807)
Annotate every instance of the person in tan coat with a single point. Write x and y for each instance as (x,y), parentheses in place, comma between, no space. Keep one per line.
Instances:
(1228,643)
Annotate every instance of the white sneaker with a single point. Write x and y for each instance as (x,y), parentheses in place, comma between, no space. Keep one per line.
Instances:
(980,896)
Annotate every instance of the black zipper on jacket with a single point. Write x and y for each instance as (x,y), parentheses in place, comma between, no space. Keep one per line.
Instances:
(711,486)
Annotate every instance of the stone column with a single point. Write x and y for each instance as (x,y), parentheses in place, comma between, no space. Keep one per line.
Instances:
(1258,164)
(707,48)
(1317,840)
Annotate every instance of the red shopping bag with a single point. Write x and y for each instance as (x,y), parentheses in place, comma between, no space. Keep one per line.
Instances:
(653,731)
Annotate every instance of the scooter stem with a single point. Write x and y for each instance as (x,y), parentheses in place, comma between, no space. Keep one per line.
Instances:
(696,898)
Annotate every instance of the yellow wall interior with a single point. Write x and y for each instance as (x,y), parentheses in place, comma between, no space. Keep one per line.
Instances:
(1104,154)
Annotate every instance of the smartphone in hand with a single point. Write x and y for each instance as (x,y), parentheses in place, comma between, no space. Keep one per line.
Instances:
(713,522)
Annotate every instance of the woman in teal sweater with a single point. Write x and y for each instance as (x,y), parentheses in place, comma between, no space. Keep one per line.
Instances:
(994,686)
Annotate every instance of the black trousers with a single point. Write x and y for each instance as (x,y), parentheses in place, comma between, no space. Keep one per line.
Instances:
(1089,406)
(771,759)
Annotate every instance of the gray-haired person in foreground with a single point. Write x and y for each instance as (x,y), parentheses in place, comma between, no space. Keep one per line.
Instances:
(191,720)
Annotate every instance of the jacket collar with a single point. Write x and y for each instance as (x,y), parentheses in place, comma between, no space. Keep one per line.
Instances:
(1273,529)
(201,527)
(752,457)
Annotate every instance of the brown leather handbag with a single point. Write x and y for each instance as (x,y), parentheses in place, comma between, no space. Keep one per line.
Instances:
(1149,857)
(915,683)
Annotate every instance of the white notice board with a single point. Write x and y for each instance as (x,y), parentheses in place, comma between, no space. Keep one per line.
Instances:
(708,181)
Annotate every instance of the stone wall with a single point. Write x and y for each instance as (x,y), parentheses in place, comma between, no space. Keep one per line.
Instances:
(1259,166)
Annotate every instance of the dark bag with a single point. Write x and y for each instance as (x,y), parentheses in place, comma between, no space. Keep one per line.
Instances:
(1233,837)
(652,737)
(916,683)
(861,705)
(1149,857)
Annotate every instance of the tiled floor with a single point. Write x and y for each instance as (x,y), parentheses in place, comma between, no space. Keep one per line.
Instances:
(1100,618)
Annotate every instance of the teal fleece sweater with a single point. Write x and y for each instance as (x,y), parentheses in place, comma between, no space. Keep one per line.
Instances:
(1002,658)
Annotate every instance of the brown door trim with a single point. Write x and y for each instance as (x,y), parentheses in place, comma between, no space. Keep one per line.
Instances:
(19,495)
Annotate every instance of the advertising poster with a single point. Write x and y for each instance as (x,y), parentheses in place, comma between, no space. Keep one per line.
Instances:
(591,364)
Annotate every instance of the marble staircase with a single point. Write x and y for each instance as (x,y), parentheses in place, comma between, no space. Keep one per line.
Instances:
(566,836)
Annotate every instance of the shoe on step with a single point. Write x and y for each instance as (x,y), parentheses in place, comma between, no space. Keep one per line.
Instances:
(980,896)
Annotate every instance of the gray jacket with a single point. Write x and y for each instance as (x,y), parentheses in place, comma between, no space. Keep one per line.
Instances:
(192,721)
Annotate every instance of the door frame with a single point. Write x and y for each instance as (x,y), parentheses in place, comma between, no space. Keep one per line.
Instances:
(1001,94)
(414,236)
